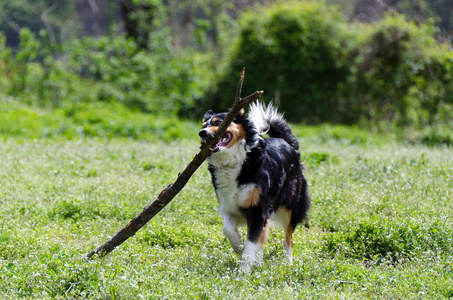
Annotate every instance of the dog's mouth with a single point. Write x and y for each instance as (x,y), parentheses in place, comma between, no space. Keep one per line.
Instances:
(223,142)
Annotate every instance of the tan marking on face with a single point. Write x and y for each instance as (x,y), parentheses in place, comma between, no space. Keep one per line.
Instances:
(212,129)
(253,198)
(264,233)
(238,134)
(214,120)
(204,124)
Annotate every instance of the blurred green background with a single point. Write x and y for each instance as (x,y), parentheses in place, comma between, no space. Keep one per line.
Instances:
(149,68)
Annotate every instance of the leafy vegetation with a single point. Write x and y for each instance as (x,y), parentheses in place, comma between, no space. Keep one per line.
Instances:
(319,68)
(108,70)
(93,119)
(296,52)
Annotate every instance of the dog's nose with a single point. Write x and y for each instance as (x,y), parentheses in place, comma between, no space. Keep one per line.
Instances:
(203,133)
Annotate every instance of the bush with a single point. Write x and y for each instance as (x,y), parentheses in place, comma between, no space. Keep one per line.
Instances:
(318,68)
(295,52)
(398,73)
(109,69)
(434,136)
(157,82)
(383,238)
(312,63)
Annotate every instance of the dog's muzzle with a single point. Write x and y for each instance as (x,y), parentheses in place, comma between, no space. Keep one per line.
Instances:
(204,134)
(223,141)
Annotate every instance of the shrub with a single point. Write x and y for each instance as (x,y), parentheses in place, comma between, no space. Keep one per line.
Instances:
(398,73)
(318,68)
(384,238)
(316,158)
(5,62)
(293,51)
(109,69)
(434,136)
(157,82)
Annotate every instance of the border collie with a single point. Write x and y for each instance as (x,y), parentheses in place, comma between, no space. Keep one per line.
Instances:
(256,179)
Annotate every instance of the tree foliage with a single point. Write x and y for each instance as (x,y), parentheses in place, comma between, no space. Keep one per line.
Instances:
(295,52)
(35,15)
(319,68)
(310,60)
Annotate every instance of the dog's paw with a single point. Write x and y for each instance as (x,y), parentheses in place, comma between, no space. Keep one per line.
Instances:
(289,259)
(244,269)
(238,249)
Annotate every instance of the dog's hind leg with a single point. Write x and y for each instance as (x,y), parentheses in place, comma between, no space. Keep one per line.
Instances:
(288,243)
(284,218)
(231,232)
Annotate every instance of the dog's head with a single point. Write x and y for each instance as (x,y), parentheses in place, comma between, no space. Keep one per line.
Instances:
(241,130)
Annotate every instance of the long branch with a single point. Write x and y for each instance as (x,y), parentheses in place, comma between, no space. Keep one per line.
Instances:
(173,189)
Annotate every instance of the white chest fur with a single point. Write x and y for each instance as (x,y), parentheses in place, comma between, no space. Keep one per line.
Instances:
(228,165)
(229,158)
(231,195)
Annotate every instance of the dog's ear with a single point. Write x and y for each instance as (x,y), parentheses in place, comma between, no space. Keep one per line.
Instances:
(241,112)
(239,116)
(208,115)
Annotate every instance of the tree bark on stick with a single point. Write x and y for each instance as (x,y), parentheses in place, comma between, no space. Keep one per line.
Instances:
(173,189)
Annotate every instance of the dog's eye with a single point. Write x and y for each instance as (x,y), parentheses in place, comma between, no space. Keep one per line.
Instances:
(217,123)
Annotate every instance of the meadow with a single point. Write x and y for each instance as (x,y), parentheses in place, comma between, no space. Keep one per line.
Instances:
(380,225)
(94,125)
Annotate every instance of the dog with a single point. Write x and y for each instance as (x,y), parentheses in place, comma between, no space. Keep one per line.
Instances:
(256,179)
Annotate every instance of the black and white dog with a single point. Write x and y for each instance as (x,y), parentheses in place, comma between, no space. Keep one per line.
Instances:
(256,179)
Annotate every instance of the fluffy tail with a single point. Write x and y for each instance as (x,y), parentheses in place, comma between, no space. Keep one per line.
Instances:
(268,120)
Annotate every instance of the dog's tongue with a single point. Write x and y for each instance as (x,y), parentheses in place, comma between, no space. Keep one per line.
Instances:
(226,138)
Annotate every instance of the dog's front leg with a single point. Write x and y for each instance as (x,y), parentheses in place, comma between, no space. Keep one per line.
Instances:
(231,232)
(257,231)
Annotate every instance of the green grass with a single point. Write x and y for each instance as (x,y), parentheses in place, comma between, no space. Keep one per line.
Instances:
(380,224)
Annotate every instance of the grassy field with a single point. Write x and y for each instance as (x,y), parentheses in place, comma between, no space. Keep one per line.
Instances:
(381,223)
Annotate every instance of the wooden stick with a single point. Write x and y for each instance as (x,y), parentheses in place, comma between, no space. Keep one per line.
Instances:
(173,189)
